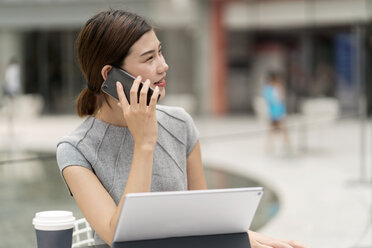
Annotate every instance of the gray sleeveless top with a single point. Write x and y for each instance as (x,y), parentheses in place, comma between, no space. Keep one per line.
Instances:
(107,151)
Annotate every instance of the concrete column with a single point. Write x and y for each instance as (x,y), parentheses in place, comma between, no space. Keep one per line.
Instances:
(202,60)
(219,67)
(43,73)
(307,50)
(360,34)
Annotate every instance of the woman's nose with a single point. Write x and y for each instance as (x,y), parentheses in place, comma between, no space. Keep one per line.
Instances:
(163,66)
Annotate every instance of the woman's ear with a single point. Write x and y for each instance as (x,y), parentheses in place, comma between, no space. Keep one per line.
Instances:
(105,70)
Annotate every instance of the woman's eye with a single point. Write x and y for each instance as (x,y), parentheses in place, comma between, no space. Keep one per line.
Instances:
(149,58)
(160,52)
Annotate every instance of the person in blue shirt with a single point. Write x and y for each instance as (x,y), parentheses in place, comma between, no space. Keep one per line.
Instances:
(274,95)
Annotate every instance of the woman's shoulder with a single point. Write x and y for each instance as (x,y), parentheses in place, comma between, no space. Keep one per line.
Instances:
(79,133)
(170,112)
(177,122)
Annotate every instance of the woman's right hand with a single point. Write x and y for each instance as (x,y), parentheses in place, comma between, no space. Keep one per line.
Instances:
(258,240)
(140,118)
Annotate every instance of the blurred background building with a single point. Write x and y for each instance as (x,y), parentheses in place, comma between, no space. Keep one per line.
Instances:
(219,51)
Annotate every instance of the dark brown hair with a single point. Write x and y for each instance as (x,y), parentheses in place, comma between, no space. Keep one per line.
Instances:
(105,39)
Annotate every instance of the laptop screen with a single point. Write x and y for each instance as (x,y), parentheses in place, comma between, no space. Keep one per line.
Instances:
(157,215)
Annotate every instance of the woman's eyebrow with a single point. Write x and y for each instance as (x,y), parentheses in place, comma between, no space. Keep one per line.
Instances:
(150,51)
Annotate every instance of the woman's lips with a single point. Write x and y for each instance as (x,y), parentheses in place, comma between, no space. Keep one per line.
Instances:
(161,84)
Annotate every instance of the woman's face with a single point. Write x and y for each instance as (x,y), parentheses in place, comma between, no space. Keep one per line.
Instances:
(145,59)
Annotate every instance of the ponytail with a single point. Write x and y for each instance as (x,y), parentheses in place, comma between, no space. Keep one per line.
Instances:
(86,103)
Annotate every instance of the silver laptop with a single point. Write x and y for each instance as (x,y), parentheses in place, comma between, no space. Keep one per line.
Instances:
(158,215)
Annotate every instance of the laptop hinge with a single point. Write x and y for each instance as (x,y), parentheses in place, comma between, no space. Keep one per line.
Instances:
(234,240)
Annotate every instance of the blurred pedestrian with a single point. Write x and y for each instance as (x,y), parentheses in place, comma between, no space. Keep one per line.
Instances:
(12,88)
(274,94)
(12,85)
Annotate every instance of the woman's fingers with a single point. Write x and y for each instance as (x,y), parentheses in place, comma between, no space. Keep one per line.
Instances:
(134,91)
(123,101)
(279,244)
(295,244)
(154,98)
(143,94)
(138,100)
(268,241)
(259,245)
(275,243)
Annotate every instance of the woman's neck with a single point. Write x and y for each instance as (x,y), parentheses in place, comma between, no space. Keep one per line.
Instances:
(113,115)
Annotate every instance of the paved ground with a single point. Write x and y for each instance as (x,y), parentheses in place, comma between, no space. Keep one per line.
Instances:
(321,202)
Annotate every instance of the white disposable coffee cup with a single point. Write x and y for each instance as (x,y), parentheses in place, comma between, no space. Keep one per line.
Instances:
(54,229)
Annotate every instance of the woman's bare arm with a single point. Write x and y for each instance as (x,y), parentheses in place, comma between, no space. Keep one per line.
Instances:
(95,202)
(195,172)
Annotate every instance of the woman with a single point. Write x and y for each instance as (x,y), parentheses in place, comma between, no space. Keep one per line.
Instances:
(124,147)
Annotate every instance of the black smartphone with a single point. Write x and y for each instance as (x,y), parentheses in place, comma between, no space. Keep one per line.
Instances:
(126,80)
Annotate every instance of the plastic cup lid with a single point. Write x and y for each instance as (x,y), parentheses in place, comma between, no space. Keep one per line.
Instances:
(53,220)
